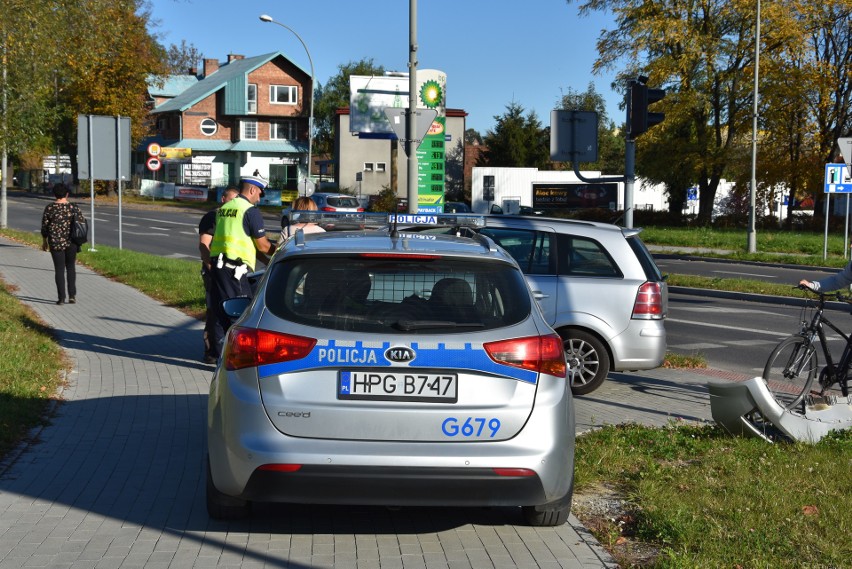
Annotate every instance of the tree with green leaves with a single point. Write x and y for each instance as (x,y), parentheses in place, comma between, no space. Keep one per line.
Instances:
(334,95)
(806,94)
(54,71)
(700,53)
(517,141)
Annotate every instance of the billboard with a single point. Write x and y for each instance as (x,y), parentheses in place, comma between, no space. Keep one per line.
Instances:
(371,95)
(574,195)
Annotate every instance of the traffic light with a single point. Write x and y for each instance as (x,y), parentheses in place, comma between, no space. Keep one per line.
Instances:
(638,118)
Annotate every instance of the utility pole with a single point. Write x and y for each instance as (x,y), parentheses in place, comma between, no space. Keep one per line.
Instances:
(411,115)
(4,168)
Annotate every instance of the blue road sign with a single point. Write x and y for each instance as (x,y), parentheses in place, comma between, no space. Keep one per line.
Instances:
(837,179)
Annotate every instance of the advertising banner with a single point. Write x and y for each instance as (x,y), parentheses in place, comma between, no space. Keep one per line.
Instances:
(575,196)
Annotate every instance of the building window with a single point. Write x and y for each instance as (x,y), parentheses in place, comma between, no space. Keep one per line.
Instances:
(368,166)
(163,123)
(251,98)
(488,188)
(380,166)
(209,127)
(249,130)
(283,94)
(282,130)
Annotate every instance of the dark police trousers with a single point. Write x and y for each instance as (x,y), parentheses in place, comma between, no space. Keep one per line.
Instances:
(223,286)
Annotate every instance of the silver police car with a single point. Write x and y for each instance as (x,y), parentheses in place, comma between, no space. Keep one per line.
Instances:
(385,368)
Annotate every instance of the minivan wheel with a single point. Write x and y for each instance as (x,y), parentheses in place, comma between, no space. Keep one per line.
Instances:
(587,359)
(221,506)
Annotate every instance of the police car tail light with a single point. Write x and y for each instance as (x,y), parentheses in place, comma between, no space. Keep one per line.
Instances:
(250,347)
(543,354)
(649,303)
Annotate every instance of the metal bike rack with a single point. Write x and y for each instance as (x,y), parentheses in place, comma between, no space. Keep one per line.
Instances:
(748,409)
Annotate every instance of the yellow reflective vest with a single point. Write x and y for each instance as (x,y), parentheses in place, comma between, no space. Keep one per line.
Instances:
(230,237)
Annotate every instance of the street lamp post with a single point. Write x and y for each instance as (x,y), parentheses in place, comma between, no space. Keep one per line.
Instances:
(266,18)
(751,237)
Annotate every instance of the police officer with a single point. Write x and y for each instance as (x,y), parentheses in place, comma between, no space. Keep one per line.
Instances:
(206,230)
(238,241)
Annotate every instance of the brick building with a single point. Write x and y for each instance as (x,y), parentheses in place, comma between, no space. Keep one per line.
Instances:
(239,117)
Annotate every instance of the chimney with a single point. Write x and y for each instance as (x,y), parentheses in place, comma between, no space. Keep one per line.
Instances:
(234,57)
(210,66)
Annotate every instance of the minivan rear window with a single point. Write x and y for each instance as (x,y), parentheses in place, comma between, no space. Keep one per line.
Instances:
(583,257)
(652,271)
(343,202)
(397,294)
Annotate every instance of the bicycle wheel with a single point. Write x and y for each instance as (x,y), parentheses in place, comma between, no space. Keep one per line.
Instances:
(790,371)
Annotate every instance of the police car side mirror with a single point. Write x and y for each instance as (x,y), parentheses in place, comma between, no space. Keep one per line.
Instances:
(234,307)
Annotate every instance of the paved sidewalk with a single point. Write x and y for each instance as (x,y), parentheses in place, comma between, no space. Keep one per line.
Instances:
(117,478)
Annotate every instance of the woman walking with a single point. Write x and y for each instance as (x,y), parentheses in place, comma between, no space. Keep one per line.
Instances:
(56,237)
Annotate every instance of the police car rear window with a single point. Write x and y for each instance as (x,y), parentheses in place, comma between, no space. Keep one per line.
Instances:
(398,294)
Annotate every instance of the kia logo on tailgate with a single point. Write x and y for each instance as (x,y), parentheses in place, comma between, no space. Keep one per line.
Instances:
(399,354)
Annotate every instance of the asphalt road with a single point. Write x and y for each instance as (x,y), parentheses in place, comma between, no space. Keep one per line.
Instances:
(163,231)
(720,268)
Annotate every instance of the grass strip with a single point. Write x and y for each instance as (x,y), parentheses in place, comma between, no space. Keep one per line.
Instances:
(31,370)
(702,498)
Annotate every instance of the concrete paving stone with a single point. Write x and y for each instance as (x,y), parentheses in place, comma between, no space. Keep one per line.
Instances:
(412,562)
(390,562)
(109,563)
(463,563)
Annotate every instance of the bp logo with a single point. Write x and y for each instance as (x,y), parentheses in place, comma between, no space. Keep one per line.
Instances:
(431,94)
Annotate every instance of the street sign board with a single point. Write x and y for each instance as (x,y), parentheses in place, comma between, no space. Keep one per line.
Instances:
(153,149)
(573,136)
(172,154)
(397,119)
(154,164)
(103,147)
(845,145)
(837,179)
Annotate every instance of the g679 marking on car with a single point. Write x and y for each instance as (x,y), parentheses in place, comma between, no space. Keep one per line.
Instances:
(470,427)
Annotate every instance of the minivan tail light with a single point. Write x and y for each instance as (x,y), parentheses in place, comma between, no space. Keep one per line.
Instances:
(326,208)
(250,347)
(649,304)
(543,354)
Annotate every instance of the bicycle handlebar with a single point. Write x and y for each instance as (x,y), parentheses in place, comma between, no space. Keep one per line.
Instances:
(825,295)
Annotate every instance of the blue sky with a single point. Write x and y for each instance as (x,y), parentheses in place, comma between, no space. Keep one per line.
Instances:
(494,52)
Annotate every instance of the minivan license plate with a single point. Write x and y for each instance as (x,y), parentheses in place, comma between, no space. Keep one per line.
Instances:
(395,386)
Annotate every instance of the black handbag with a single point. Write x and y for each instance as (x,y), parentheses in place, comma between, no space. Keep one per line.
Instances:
(79,229)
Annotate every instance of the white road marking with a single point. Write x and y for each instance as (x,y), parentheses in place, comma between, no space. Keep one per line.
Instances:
(726,327)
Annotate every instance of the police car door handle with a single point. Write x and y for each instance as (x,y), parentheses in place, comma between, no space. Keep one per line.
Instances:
(538,295)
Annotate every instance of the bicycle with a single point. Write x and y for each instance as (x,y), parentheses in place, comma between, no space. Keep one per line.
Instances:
(792,366)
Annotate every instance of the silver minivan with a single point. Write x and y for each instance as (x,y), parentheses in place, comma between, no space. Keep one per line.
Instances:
(598,287)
